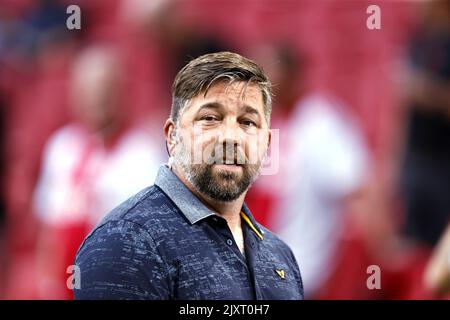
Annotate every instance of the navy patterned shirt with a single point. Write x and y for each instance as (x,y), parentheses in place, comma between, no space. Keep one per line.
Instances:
(164,243)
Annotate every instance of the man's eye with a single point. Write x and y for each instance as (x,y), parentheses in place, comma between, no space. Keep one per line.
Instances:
(249,123)
(210,118)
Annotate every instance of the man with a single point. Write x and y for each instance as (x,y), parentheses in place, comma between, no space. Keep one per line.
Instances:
(191,236)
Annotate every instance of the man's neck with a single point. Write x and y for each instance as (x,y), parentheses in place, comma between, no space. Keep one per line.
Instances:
(229,210)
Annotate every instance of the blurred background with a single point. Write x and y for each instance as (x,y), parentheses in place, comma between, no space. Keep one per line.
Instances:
(364,120)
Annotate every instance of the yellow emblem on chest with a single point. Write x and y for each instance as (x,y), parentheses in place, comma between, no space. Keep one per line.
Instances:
(280,273)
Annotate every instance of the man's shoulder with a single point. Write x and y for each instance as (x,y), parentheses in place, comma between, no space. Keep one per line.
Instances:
(119,256)
(138,208)
(146,210)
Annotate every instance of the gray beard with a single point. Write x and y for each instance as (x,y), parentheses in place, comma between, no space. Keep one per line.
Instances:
(218,185)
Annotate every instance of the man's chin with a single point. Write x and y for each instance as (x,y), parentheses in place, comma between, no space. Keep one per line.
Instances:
(224,190)
(226,179)
(219,181)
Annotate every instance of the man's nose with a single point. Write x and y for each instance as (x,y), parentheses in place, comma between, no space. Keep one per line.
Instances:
(231,133)
(230,142)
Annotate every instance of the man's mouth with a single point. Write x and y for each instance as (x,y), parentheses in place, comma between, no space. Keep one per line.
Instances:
(230,166)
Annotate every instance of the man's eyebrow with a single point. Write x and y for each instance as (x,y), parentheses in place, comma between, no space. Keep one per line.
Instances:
(250,109)
(211,105)
(218,106)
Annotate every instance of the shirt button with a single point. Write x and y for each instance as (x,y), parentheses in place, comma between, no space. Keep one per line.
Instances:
(230,242)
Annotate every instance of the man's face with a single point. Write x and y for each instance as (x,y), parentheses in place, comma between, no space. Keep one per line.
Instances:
(221,139)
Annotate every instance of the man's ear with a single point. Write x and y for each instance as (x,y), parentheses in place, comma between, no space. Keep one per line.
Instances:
(169,132)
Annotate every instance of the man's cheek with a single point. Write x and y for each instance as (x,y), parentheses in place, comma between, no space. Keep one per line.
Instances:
(204,148)
(255,149)
(206,153)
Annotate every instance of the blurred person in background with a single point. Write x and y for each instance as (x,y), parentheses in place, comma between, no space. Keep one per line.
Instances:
(35,51)
(426,170)
(323,159)
(282,63)
(437,273)
(89,166)
(327,163)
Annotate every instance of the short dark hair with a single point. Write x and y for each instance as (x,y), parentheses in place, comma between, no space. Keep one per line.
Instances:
(199,74)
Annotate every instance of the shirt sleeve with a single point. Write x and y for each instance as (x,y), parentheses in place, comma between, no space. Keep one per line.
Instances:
(120,260)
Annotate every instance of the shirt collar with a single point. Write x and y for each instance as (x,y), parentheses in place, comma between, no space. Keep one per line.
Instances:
(184,199)
(251,222)
(191,206)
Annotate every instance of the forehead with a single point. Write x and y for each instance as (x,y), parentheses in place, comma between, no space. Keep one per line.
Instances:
(232,95)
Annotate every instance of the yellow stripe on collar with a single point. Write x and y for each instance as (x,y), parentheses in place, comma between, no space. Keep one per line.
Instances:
(244,216)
